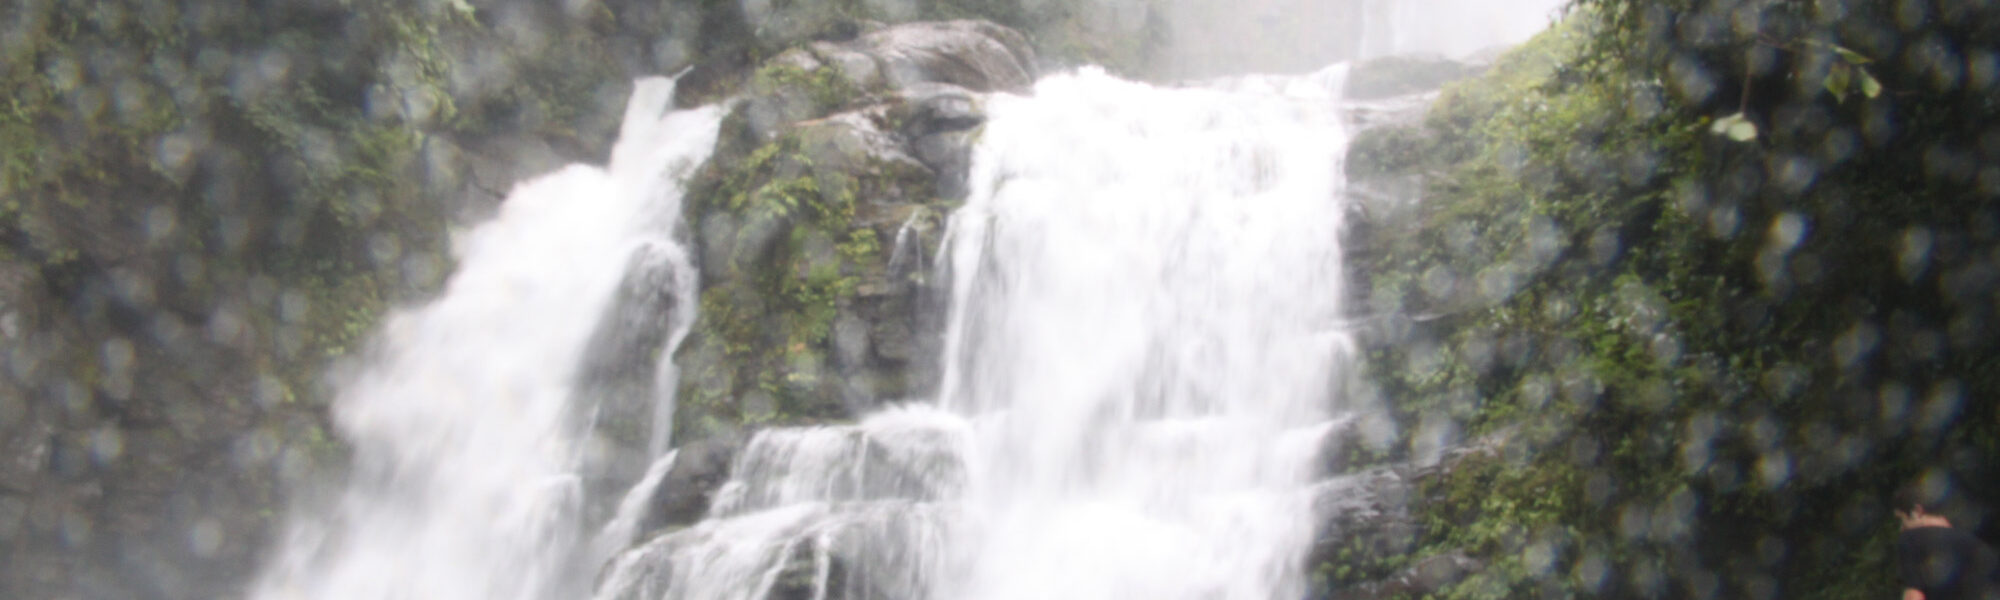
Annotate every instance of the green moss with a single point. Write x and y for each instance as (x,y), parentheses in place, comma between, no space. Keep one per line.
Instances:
(824,86)
(1597,285)
(795,260)
(125,116)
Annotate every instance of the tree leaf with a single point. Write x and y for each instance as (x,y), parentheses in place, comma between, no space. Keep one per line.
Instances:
(1852,57)
(1839,80)
(1869,86)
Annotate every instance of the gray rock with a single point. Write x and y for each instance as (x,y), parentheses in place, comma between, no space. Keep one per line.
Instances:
(976,55)
(1428,576)
(714,79)
(619,368)
(882,124)
(940,121)
(689,487)
(1367,524)
(860,69)
(973,55)
(1366,513)
(854,143)
(929,109)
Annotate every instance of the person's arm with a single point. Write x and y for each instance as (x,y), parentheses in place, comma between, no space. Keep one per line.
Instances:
(1912,594)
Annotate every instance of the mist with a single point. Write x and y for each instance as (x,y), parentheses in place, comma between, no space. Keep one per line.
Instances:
(1205,38)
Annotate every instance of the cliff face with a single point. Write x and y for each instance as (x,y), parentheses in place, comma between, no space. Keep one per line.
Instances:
(200,212)
(1716,275)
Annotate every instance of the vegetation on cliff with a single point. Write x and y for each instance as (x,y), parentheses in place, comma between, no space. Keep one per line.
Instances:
(203,206)
(1714,276)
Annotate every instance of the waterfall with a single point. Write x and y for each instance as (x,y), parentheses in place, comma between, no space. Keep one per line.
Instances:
(471,427)
(1144,283)
(1142,358)
(631,509)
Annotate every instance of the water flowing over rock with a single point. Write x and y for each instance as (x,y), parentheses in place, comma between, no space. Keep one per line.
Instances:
(1141,372)
(1146,319)
(624,370)
(1143,361)
(851,512)
(1701,279)
(470,424)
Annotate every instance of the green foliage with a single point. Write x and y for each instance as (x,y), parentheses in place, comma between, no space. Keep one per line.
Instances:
(824,86)
(1709,355)
(796,257)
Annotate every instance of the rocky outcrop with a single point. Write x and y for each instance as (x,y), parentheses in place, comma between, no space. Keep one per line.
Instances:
(688,490)
(1371,540)
(818,219)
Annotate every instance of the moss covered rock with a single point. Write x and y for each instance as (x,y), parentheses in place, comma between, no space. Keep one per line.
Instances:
(817,218)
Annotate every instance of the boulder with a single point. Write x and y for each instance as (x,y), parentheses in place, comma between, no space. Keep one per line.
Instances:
(819,215)
(940,123)
(976,55)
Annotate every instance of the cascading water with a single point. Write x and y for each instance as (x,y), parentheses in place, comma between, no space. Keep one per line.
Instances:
(471,436)
(1145,289)
(1143,357)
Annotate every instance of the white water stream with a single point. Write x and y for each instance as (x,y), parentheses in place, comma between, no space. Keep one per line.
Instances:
(1141,365)
(469,439)
(1144,286)
(1142,359)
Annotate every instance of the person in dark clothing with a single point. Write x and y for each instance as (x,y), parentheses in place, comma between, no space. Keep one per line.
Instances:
(1937,562)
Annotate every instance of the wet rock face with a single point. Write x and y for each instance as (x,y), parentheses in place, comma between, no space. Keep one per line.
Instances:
(620,367)
(1363,517)
(1429,575)
(689,488)
(818,221)
(151,481)
(1369,533)
(938,121)
(826,511)
(976,55)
